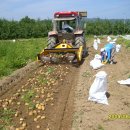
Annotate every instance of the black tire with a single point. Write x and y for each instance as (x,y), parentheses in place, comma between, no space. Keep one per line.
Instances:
(80,41)
(51,42)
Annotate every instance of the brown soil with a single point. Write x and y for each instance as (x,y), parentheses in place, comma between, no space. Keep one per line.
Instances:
(92,116)
(51,85)
(61,92)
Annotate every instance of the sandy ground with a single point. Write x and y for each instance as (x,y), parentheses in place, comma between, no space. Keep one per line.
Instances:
(63,91)
(92,116)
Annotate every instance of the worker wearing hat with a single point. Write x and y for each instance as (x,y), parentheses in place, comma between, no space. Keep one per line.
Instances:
(108,52)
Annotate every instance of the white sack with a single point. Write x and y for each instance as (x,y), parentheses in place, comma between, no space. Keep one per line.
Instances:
(98,89)
(95,44)
(127,81)
(98,41)
(108,38)
(118,47)
(96,62)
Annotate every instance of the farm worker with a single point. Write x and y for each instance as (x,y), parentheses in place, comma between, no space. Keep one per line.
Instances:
(113,51)
(108,52)
(67,27)
(103,55)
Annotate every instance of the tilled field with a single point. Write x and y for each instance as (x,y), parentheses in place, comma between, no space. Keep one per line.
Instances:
(90,115)
(54,97)
(39,100)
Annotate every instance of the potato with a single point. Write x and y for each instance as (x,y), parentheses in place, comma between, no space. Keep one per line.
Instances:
(43,108)
(17,129)
(38,126)
(18,103)
(24,125)
(40,107)
(35,119)
(34,112)
(43,117)
(38,117)
(21,119)
(16,115)
(30,113)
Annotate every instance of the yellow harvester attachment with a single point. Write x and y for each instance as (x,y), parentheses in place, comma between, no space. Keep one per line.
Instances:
(61,52)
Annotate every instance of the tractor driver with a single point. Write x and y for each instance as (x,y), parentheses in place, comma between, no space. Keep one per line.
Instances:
(68,28)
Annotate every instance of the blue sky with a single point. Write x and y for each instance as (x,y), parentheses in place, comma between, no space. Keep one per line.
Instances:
(43,9)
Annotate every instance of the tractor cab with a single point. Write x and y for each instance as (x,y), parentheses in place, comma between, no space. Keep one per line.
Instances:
(67,24)
(65,28)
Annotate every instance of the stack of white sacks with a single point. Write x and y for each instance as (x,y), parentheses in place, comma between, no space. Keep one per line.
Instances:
(98,89)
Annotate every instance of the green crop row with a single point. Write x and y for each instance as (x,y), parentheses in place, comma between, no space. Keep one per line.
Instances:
(14,55)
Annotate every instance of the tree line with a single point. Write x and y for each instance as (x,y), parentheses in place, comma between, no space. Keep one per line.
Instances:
(107,27)
(25,28)
(31,28)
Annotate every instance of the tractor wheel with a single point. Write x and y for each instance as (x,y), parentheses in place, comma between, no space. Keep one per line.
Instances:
(80,41)
(51,42)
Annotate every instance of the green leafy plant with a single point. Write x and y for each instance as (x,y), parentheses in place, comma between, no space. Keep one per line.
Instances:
(28,97)
(86,74)
(6,118)
(42,80)
(50,69)
(18,54)
(123,41)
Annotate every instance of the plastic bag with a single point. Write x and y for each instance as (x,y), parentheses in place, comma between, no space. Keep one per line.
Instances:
(95,44)
(98,89)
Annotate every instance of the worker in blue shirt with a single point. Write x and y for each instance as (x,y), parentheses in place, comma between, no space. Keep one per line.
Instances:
(108,52)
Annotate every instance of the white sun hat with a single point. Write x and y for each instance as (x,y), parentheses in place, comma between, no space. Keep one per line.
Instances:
(102,49)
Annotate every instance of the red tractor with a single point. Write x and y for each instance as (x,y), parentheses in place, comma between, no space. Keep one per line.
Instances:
(67,37)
